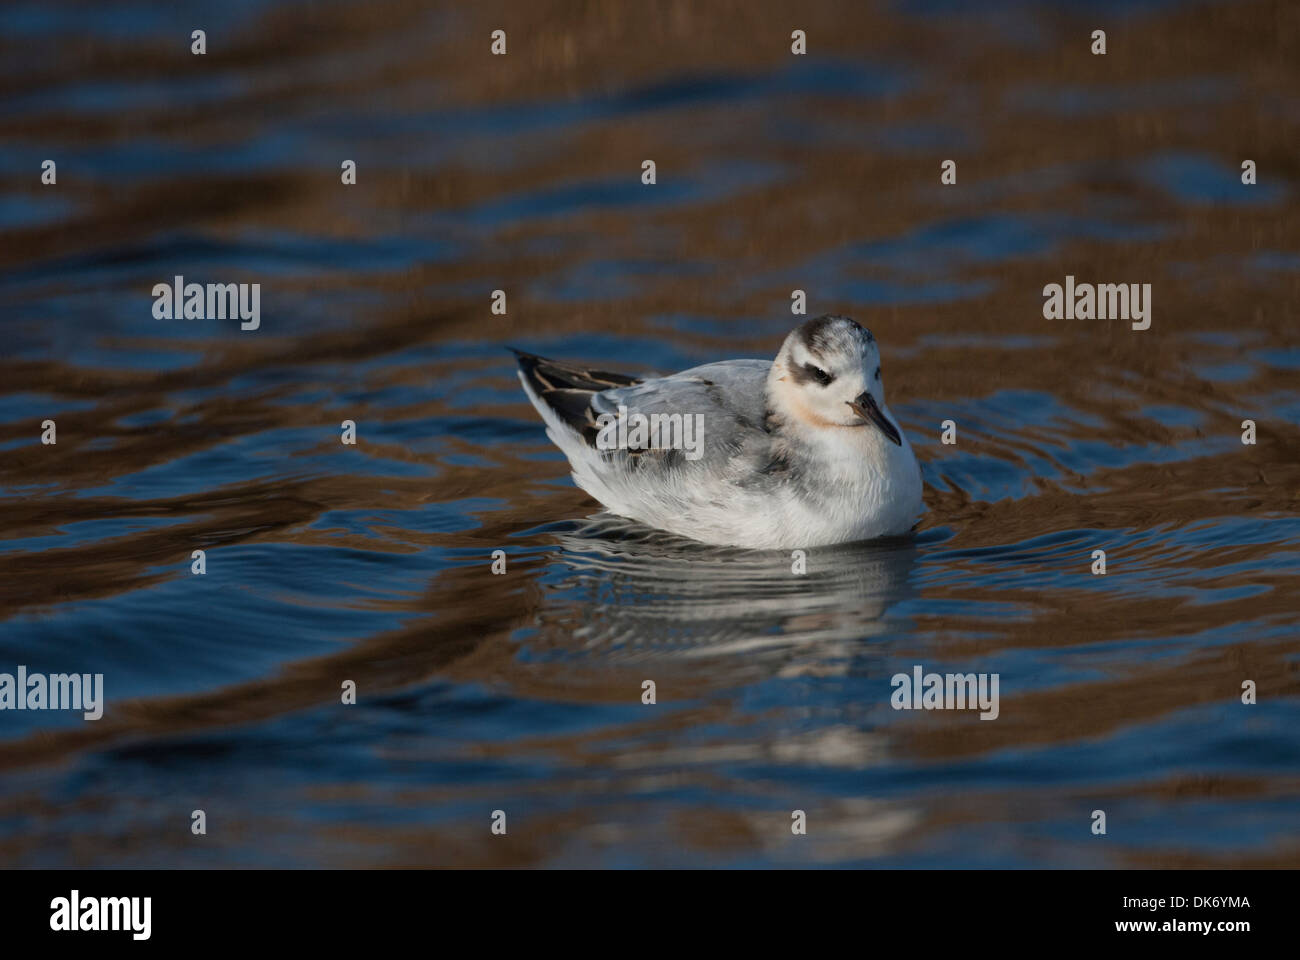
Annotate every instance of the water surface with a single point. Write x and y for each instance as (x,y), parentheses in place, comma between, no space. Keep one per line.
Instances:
(522,692)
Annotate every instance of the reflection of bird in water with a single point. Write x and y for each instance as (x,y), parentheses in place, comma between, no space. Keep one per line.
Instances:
(781,683)
(638,591)
(798,452)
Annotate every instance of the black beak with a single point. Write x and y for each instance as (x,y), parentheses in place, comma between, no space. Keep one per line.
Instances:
(865,407)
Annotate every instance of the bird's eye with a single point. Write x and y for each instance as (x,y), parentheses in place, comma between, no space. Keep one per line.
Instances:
(818,374)
(877,373)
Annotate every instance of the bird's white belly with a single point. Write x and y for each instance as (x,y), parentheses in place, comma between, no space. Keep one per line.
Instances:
(780,519)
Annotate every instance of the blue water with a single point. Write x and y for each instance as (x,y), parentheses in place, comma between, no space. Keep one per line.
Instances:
(329,565)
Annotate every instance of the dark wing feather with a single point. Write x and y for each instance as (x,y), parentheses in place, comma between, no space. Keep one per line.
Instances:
(567,389)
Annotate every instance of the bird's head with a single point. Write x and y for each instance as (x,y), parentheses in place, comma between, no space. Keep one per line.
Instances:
(827,375)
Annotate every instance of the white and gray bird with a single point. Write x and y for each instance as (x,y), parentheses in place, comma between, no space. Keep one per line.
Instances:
(797,452)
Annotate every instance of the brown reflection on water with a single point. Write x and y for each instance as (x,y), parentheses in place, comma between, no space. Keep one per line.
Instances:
(1216,80)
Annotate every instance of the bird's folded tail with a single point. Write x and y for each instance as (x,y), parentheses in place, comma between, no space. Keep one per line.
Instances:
(566,389)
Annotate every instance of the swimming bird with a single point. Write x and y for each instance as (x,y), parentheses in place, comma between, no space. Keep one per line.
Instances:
(801,451)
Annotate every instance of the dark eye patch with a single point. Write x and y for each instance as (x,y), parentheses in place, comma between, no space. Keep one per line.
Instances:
(877,373)
(818,374)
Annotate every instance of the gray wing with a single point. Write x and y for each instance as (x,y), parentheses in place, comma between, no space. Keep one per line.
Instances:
(726,400)
(729,391)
